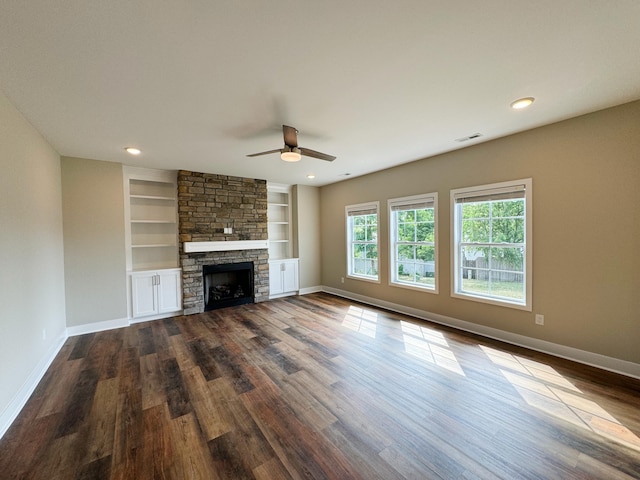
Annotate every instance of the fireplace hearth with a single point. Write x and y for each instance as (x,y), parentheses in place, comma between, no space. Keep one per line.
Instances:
(228,284)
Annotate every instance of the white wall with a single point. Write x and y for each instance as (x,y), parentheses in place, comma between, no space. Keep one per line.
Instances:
(32,294)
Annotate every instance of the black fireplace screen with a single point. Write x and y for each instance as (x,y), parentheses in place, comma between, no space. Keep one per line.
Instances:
(227,285)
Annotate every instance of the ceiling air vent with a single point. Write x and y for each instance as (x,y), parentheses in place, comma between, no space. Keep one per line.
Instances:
(470,137)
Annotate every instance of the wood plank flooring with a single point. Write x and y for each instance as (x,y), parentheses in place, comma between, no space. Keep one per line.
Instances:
(317,387)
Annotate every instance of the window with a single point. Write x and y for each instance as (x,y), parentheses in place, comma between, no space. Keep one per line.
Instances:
(492,243)
(413,242)
(362,241)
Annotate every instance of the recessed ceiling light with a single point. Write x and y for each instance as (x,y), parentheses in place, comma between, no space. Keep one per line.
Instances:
(311,176)
(522,103)
(133,150)
(468,137)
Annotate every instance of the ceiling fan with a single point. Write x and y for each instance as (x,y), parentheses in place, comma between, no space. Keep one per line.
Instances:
(291,151)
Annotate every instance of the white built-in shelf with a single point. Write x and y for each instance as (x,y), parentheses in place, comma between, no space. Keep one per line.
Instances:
(279,218)
(156,245)
(153,197)
(152,219)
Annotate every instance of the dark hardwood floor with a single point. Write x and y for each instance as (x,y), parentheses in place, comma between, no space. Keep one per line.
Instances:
(318,387)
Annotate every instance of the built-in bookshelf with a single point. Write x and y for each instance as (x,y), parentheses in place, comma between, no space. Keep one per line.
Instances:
(283,269)
(279,221)
(151,219)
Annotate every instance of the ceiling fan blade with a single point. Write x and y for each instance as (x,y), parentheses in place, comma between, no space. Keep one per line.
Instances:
(264,153)
(312,153)
(290,136)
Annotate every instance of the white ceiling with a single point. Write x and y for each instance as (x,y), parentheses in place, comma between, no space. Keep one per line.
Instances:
(198,84)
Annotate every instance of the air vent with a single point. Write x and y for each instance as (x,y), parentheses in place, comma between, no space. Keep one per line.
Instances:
(470,137)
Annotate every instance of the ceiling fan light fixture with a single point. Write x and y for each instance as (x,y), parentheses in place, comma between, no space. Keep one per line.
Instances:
(291,155)
(291,152)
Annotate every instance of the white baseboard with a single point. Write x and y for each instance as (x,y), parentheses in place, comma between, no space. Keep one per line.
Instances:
(155,317)
(113,324)
(611,364)
(11,412)
(304,291)
(97,327)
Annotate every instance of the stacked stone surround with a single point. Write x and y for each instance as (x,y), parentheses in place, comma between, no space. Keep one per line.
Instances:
(207,204)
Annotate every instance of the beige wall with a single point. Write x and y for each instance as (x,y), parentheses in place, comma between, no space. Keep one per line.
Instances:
(94,241)
(31,254)
(586,229)
(306,245)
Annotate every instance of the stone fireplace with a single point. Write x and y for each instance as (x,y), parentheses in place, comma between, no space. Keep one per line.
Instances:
(222,220)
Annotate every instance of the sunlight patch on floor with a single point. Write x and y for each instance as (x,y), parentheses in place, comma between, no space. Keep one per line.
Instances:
(545,389)
(430,345)
(361,320)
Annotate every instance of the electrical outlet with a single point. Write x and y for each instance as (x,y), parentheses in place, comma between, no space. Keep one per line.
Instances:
(342,279)
(539,319)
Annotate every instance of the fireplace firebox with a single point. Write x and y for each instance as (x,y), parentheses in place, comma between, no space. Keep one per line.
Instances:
(228,284)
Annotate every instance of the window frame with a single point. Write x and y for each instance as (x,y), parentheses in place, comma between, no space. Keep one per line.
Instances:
(349,233)
(456,221)
(393,242)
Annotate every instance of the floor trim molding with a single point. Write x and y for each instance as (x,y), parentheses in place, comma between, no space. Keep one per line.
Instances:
(19,400)
(610,364)
(117,323)
(97,327)
(306,290)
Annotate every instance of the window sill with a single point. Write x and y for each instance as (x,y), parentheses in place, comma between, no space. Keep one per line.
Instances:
(364,279)
(414,287)
(492,301)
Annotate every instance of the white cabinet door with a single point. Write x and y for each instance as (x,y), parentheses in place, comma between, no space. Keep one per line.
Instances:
(169,292)
(283,276)
(143,290)
(290,276)
(155,292)
(275,278)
